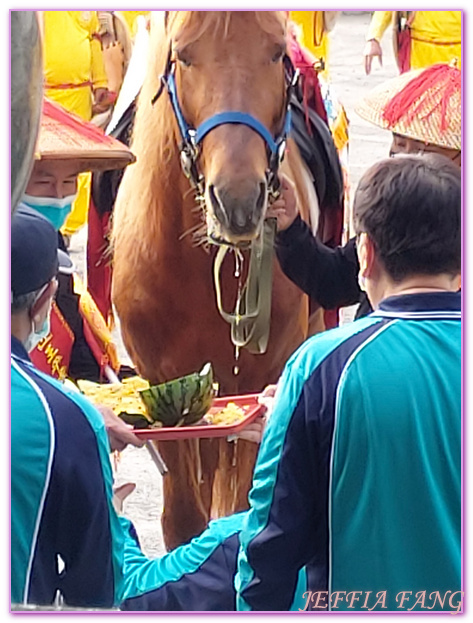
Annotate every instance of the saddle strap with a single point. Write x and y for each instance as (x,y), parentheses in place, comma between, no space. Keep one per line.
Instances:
(250,322)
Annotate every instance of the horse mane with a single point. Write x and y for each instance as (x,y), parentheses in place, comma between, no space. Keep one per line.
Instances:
(189,26)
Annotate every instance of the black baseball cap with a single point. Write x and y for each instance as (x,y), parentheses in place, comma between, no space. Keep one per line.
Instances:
(34,251)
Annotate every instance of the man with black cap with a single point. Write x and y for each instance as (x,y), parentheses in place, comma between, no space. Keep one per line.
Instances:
(66,535)
(59,450)
(34,284)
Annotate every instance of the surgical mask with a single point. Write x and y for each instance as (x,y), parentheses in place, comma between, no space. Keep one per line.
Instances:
(54,209)
(35,337)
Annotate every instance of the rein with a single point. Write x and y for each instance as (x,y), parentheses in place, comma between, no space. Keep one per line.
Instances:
(252,316)
(251,319)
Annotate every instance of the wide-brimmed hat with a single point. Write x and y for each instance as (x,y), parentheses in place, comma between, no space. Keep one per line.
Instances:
(65,136)
(422,104)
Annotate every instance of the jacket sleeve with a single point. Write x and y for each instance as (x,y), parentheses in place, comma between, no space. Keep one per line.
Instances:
(328,276)
(278,537)
(379,24)
(192,577)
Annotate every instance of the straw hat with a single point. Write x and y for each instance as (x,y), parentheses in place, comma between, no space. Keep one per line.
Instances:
(422,104)
(65,136)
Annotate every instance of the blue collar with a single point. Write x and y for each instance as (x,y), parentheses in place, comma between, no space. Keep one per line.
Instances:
(428,305)
(18,350)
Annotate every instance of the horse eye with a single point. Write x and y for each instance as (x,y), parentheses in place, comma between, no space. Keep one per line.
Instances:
(182,58)
(278,56)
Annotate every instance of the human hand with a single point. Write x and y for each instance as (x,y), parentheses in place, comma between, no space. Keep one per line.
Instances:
(119,433)
(266,398)
(120,494)
(114,61)
(284,209)
(103,99)
(254,431)
(372,49)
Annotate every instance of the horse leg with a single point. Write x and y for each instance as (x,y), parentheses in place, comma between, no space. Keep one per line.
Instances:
(246,453)
(234,477)
(209,459)
(184,515)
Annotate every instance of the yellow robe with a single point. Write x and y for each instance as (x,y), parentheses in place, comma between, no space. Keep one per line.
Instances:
(313,35)
(435,35)
(72,56)
(73,69)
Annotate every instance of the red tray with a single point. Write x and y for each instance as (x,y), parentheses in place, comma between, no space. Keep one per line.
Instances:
(248,402)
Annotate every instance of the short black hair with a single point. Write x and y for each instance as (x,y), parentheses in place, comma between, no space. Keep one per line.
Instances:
(24,302)
(410,207)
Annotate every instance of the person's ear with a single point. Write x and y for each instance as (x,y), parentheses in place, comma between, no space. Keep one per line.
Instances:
(40,307)
(366,255)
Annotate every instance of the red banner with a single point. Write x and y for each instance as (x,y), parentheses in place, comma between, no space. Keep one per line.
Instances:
(53,354)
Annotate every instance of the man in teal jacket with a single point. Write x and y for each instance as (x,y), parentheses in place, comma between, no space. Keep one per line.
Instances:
(356,499)
(66,536)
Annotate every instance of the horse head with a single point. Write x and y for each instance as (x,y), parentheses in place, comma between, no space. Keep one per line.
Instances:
(227,80)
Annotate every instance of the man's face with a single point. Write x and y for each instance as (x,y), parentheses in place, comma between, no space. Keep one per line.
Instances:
(404,145)
(53,179)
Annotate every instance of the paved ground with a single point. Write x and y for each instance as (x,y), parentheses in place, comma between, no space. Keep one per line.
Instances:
(367,144)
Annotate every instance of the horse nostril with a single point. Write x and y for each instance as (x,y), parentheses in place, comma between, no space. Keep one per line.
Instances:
(220,213)
(238,209)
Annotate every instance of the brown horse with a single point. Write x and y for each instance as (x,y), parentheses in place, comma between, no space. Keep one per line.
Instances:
(162,281)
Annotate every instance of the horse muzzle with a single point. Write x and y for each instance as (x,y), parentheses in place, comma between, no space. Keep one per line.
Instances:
(237,210)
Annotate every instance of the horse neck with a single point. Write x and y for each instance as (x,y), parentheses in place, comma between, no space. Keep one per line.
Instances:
(173,210)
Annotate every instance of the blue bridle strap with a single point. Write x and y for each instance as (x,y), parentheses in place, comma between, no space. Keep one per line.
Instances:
(223,118)
(183,127)
(235,117)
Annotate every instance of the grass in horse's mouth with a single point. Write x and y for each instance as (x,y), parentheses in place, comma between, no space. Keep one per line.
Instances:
(201,235)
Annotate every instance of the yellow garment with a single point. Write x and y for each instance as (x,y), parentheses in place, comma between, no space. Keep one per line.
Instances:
(313,35)
(436,35)
(339,129)
(72,56)
(80,208)
(130,18)
(97,324)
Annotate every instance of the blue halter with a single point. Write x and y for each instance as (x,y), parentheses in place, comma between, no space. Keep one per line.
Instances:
(196,136)
(192,137)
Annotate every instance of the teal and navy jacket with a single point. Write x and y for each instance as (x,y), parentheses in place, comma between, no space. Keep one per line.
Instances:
(357,485)
(61,508)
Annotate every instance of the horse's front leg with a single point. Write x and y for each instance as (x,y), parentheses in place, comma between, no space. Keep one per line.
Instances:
(187,488)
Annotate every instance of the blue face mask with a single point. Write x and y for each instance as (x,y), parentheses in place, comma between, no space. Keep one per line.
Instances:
(35,337)
(55,210)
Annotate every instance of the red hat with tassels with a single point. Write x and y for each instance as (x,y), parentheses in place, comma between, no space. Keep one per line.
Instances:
(66,136)
(422,104)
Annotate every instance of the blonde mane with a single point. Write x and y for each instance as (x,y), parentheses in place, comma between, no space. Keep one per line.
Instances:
(189,26)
